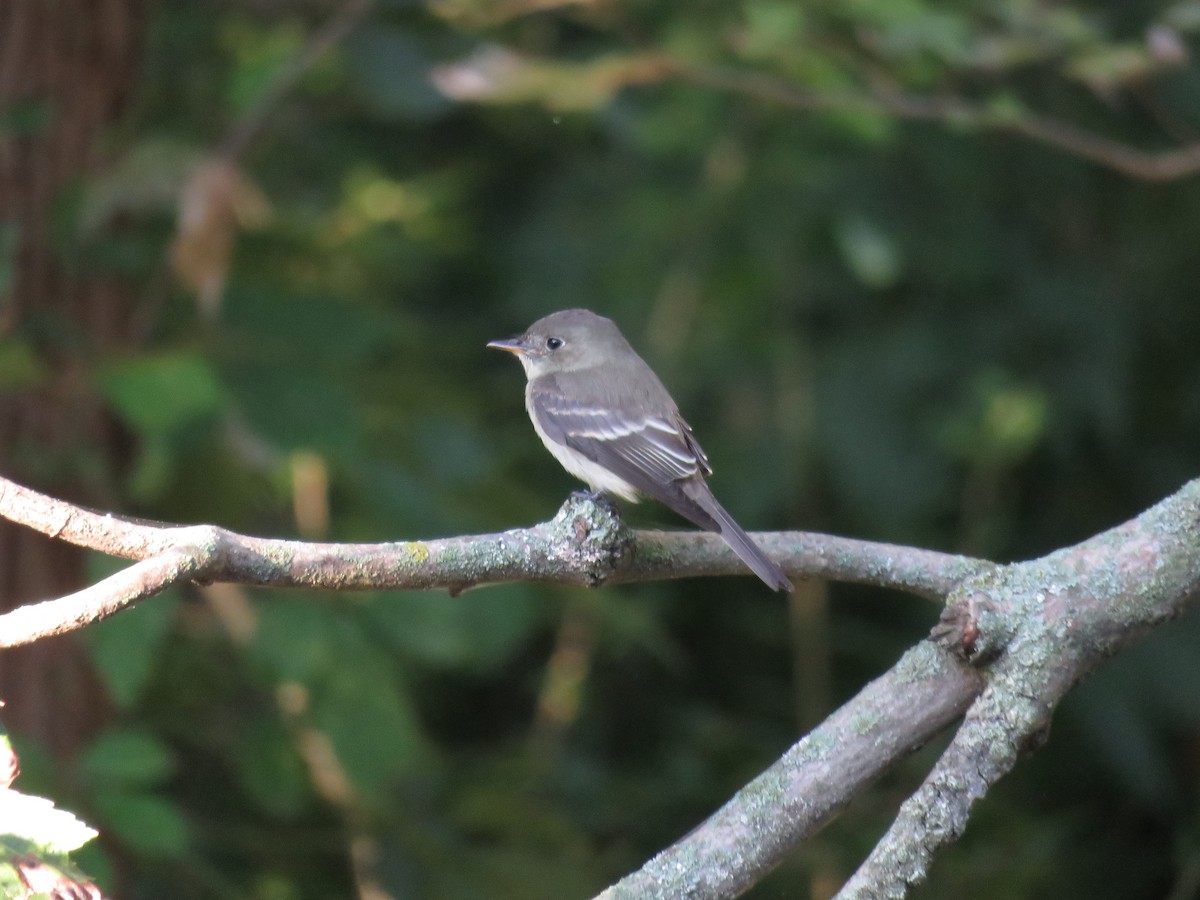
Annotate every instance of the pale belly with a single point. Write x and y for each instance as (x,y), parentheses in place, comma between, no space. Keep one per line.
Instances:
(594,476)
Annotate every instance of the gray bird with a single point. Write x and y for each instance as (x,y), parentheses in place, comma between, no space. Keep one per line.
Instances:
(607,418)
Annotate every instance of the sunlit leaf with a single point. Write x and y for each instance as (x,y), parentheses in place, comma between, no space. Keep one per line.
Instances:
(37,821)
(1109,67)
(498,75)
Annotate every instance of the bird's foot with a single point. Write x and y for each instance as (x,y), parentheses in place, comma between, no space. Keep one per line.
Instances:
(599,498)
(593,538)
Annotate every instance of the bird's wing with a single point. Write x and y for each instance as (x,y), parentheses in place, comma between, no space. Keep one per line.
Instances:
(656,454)
(650,451)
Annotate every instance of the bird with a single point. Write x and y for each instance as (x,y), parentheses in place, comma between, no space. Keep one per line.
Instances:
(607,418)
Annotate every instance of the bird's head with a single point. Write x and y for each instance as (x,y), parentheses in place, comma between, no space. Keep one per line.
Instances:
(565,341)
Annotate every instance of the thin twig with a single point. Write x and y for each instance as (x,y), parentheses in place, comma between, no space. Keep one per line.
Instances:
(35,621)
(320,42)
(1164,165)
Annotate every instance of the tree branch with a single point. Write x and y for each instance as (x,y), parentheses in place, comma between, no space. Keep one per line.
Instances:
(34,621)
(1045,624)
(1165,165)
(1034,628)
(331,33)
(585,544)
(889,719)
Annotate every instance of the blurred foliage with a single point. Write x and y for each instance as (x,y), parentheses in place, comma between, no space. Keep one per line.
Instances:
(36,839)
(921,332)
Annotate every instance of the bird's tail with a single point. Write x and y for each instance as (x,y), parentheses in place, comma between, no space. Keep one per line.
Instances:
(740,542)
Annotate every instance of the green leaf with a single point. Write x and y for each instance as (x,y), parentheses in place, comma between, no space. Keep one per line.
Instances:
(153,469)
(497,75)
(271,772)
(391,71)
(1000,424)
(10,883)
(259,53)
(773,28)
(128,756)
(160,394)
(367,714)
(294,407)
(147,823)
(125,648)
(870,253)
(35,820)
(1107,67)
(1183,16)
(478,631)
(294,640)
(1006,108)
(142,182)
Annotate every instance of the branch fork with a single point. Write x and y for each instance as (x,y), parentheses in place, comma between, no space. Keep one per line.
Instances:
(1011,643)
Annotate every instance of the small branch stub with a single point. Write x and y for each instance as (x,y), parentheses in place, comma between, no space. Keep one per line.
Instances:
(592,537)
(957,629)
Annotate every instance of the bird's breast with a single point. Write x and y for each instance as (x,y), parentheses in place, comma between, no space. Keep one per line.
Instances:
(590,473)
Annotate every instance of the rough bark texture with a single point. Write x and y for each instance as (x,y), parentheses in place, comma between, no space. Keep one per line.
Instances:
(1032,629)
(66,70)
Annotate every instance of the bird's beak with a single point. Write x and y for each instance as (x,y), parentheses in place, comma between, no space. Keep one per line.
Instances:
(512,345)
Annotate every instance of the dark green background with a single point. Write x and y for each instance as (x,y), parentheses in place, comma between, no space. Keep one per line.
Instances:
(944,336)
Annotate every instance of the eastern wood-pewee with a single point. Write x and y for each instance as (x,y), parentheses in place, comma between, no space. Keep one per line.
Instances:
(607,418)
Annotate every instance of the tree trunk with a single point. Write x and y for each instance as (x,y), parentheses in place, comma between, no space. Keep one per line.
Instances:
(67,68)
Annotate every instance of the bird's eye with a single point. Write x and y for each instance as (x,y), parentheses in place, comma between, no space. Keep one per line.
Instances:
(553,343)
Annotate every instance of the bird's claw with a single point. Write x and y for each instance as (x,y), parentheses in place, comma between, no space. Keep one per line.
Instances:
(599,498)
